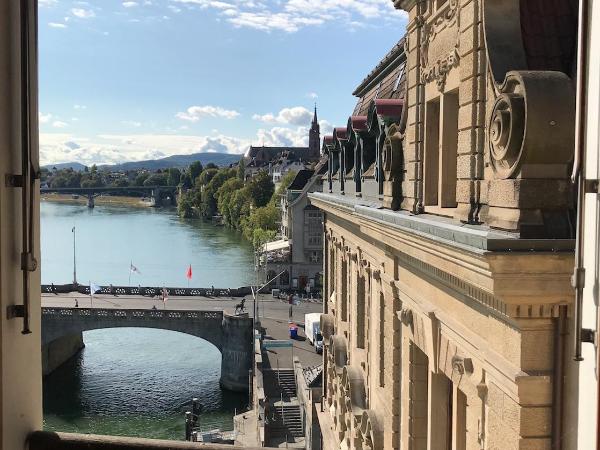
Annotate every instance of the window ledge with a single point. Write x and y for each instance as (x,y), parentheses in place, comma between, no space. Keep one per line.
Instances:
(46,440)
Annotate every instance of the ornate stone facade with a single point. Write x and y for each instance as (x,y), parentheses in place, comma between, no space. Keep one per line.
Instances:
(448,246)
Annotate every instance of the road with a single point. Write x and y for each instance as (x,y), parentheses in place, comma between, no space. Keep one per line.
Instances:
(268,307)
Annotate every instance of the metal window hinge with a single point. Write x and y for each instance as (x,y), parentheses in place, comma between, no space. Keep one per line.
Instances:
(592,186)
(14,311)
(588,335)
(12,180)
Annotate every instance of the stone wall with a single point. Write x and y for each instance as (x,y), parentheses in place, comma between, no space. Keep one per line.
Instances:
(430,341)
(59,351)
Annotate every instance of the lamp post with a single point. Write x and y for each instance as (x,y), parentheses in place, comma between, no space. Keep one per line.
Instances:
(74,260)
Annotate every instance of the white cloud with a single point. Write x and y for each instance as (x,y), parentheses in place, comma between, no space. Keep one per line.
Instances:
(293,15)
(312,95)
(132,123)
(282,136)
(83,13)
(195,113)
(79,106)
(129,4)
(47,2)
(56,25)
(59,124)
(298,115)
(64,147)
(44,118)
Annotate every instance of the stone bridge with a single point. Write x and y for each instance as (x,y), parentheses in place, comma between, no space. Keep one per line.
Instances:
(156,193)
(232,335)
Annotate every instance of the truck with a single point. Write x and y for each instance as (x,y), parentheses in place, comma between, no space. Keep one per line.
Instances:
(312,329)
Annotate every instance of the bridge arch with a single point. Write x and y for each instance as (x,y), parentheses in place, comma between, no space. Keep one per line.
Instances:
(231,335)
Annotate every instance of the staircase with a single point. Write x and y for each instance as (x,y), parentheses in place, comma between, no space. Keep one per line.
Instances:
(286,421)
(278,383)
(285,415)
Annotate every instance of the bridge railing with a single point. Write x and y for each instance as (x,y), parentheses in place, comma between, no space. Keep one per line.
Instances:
(150,291)
(130,313)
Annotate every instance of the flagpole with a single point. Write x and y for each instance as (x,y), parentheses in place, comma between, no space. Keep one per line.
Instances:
(74,261)
(130,266)
(91,295)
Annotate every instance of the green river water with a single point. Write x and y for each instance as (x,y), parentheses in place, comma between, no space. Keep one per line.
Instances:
(131,381)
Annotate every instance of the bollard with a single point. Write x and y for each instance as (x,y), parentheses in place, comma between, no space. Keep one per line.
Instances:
(188,426)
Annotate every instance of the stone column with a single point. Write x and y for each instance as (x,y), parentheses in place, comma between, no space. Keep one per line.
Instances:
(413,146)
(236,352)
(471,121)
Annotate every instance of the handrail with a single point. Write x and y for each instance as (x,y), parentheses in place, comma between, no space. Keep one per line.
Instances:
(48,440)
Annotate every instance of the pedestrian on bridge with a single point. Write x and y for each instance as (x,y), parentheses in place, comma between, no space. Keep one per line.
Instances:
(76,304)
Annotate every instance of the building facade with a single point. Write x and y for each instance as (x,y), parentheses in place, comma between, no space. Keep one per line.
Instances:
(299,252)
(448,216)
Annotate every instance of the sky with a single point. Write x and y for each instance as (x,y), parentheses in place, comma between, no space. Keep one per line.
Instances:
(131,80)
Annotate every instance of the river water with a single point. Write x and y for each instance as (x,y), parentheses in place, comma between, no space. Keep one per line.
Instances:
(132,381)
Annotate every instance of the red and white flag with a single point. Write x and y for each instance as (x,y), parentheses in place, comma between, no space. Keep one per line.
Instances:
(133,269)
(165,294)
(188,274)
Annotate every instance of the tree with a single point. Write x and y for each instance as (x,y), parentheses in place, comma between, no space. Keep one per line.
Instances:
(224,195)
(205,177)
(186,181)
(241,169)
(140,178)
(185,206)
(284,183)
(195,170)
(174,176)
(120,182)
(156,179)
(211,166)
(261,188)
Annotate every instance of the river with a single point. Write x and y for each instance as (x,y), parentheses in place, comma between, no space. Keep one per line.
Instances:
(139,382)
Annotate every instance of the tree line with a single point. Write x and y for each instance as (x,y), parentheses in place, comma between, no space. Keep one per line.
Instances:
(249,206)
(92,177)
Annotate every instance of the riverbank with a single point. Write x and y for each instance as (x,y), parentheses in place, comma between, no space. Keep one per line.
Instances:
(115,200)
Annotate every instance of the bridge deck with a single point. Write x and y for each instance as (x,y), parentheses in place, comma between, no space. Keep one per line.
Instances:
(141,302)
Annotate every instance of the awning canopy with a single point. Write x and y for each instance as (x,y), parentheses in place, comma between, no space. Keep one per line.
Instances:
(276,245)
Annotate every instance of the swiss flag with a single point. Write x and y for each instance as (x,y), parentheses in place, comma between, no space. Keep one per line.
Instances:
(188,274)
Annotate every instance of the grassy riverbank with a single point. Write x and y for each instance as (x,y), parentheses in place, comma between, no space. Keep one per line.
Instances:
(101,200)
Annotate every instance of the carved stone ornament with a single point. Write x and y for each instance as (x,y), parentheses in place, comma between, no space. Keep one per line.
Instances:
(462,365)
(406,316)
(529,128)
(327,323)
(392,153)
(370,433)
(439,45)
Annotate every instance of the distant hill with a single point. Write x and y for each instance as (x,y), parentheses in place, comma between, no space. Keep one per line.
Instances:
(180,161)
(77,167)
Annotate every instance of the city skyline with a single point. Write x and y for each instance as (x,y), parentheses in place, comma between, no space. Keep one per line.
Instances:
(124,81)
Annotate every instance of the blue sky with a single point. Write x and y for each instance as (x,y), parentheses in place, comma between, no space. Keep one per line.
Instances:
(130,80)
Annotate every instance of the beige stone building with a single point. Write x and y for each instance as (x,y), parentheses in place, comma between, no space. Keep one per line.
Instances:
(449,235)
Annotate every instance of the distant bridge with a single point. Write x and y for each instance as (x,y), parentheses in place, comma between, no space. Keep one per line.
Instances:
(232,335)
(156,193)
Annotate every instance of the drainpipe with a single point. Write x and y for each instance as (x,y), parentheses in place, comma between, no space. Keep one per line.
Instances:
(560,333)
(578,177)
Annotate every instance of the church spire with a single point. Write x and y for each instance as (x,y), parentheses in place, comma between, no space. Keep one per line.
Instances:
(314,138)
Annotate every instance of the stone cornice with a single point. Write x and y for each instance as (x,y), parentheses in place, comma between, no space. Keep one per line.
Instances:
(515,285)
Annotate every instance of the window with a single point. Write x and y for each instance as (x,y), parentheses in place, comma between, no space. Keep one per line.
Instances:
(418,396)
(381,340)
(360,312)
(344,291)
(315,257)
(441,141)
(440,411)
